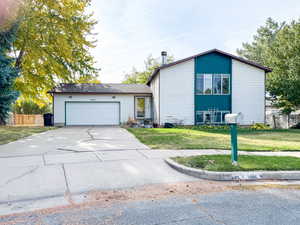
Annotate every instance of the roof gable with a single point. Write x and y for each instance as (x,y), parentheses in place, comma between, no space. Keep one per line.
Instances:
(266,69)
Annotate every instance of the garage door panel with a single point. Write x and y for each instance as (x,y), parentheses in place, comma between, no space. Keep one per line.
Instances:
(92,113)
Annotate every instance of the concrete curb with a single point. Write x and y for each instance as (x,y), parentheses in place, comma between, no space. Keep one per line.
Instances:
(234,176)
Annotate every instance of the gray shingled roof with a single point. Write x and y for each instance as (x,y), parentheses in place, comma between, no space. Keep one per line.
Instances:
(102,88)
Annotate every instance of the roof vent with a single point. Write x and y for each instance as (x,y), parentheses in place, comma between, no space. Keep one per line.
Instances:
(164,57)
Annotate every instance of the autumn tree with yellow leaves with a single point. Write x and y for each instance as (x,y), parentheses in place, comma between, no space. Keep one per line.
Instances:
(53,45)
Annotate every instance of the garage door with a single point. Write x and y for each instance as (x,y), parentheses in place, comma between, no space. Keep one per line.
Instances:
(92,113)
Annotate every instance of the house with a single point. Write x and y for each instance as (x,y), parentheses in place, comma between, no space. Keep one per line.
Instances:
(196,90)
(276,119)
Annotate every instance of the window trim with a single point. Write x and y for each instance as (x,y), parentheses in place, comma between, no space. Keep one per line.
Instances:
(212,84)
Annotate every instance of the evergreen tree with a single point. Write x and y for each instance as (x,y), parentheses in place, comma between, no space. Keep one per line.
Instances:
(277,45)
(8,73)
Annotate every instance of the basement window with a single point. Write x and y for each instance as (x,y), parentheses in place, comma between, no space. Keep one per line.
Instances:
(211,117)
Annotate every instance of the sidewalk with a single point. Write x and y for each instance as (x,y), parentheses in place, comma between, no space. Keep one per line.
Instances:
(47,175)
(56,174)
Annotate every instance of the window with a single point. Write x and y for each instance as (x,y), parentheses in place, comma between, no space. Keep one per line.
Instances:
(213,84)
(140,107)
(225,84)
(207,84)
(207,117)
(217,84)
(199,117)
(210,117)
(199,83)
(217,117)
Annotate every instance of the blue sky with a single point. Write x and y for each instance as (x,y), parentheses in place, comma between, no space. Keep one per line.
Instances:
(130,30)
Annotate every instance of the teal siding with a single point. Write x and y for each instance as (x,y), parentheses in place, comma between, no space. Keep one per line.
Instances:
(213,63)
(220,102)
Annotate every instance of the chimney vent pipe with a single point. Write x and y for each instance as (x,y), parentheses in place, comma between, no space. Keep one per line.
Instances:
(164,57)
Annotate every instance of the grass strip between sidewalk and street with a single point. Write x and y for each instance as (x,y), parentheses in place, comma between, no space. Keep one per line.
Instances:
(222,163)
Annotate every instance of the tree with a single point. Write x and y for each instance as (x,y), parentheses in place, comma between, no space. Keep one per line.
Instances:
(52,46)
(30,107)
(88,79)
(8,73)
(141,77)
(257,49)
(278,46)
(284,58)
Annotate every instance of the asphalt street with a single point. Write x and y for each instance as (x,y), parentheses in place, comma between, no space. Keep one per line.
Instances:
(265,206)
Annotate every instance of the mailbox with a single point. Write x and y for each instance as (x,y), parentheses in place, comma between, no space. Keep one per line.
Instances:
(231,118)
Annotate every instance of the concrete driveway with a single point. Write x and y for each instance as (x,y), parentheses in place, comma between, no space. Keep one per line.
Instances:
(74,160)
(73,139)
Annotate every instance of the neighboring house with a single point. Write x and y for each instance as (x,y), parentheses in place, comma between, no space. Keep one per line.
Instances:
(197,90)
(276,119)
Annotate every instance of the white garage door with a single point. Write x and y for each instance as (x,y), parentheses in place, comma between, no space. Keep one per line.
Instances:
(92,113)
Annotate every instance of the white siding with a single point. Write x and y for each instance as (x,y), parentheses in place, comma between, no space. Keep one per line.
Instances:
(177,93)
(248,92)
(154,85)
(126,104)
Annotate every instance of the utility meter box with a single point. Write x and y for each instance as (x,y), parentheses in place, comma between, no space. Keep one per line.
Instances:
(231,118)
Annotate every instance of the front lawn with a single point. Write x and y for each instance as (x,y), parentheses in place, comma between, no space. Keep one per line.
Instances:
(245,163)
(9,134)
(200,138)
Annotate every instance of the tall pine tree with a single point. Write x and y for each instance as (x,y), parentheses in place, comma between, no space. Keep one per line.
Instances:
(8,73)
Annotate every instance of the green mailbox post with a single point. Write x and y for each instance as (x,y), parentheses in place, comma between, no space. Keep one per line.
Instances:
(231,120)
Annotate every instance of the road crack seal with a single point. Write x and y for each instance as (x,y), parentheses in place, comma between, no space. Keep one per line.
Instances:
(72,150)
(20,176)
(90,134)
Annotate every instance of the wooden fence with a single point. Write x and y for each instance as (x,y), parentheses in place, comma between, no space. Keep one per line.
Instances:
(27,120)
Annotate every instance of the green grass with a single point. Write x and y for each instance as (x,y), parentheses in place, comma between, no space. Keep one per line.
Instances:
(245,163)
(9,134)
(200,138)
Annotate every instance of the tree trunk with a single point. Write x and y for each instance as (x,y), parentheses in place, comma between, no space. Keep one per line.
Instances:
(19,59)
(274,121)
(2,121)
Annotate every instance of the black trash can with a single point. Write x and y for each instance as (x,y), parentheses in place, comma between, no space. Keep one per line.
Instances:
(48,119)
(169,125)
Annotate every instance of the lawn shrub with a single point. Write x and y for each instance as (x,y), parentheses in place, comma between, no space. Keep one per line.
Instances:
(259,126)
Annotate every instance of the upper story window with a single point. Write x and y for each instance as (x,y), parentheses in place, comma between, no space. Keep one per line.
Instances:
(208,84)
(212,84)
